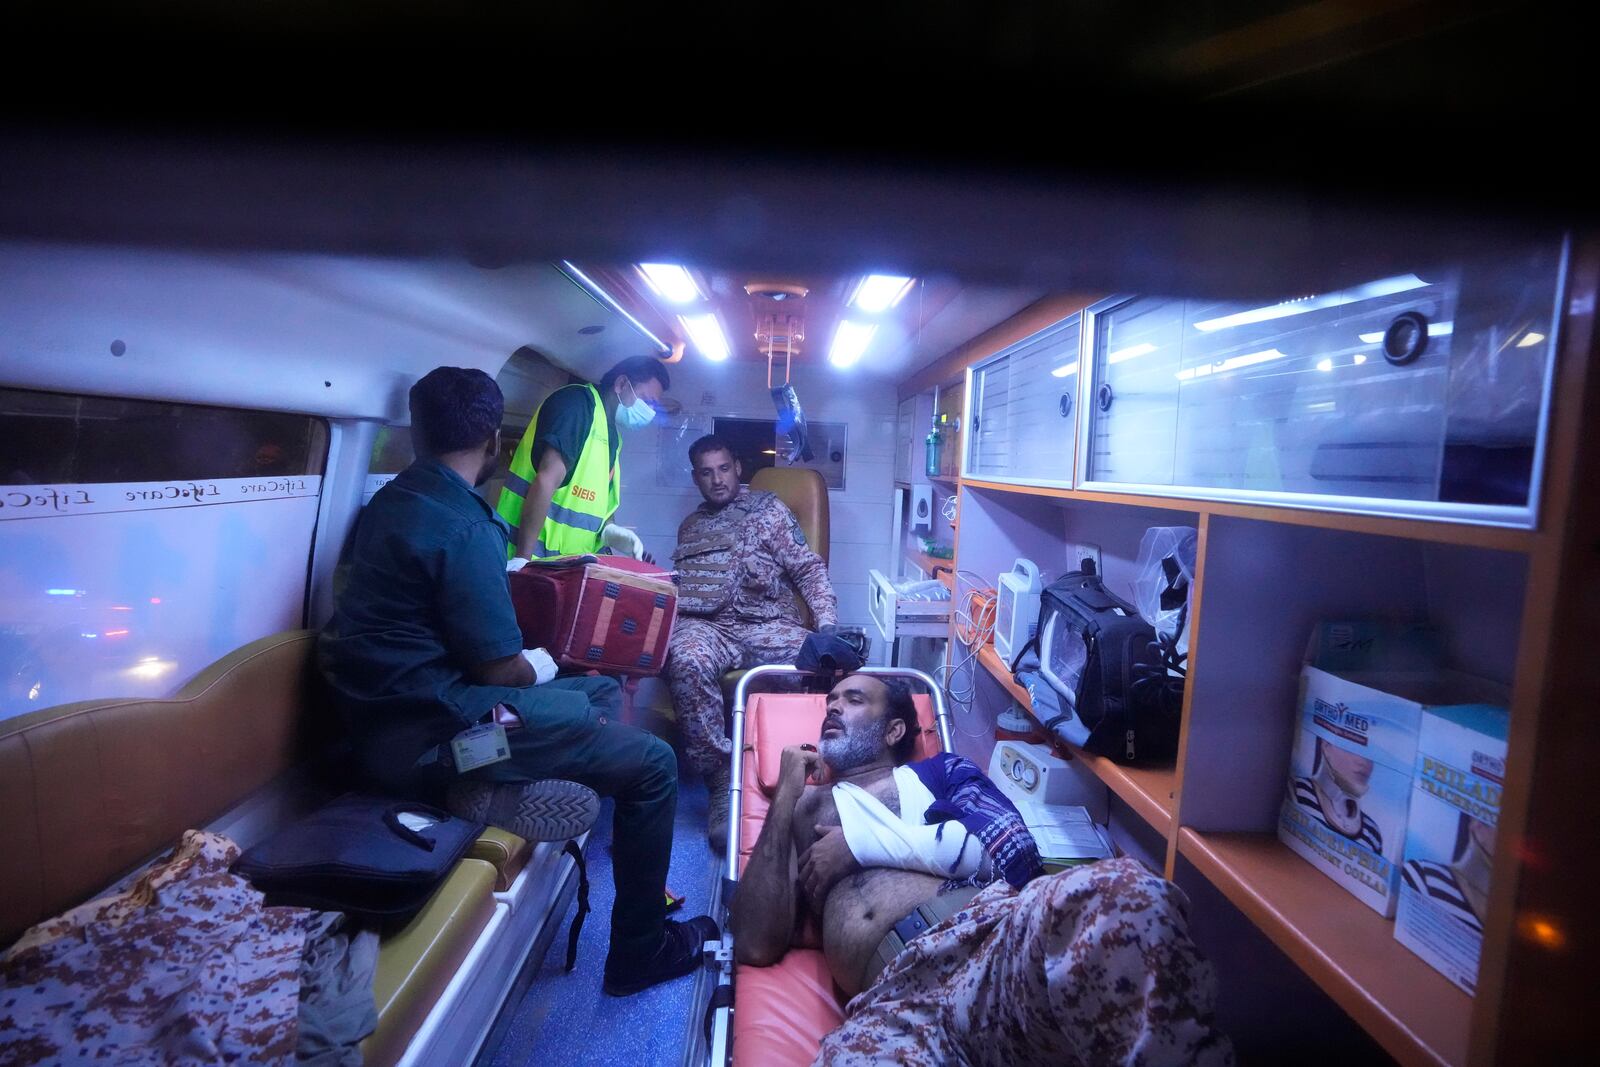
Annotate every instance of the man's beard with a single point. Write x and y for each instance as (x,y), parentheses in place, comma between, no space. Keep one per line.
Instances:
(846,753)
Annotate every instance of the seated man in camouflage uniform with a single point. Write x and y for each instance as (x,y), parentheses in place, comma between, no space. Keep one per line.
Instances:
(1091,965)
(740,559)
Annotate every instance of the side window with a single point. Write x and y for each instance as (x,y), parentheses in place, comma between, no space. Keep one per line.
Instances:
(143,540)
(391,454)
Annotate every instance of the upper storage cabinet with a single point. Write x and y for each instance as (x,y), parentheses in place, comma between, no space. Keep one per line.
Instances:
(1023,405)
(1420,393)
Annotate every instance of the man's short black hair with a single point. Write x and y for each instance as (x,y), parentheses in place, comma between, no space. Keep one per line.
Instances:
(709,443)
(637,369)
(454,409)
(903,708)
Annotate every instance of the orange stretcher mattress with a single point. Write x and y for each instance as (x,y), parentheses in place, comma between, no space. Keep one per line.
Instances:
(782,1013)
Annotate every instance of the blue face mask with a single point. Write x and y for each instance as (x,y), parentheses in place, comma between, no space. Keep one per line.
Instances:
(634,416)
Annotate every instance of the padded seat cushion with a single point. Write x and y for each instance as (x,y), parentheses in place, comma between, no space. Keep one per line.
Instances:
(783,1012)
(504,851)
(416,963)
(89,790)
(774,721)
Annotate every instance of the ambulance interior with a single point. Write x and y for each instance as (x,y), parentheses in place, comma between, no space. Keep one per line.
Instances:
(189,431)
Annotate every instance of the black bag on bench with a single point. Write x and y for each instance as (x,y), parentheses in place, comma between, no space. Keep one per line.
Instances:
(358,855)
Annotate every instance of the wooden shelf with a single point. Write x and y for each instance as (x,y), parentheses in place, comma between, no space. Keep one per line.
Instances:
(1504,538)
(1147,790)
(939,479)
(1344,946)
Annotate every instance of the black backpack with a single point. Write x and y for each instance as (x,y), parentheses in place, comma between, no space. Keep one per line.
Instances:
(1111,672)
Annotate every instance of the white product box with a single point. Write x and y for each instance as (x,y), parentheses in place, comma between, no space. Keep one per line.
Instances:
(1355,746)
(1455,808)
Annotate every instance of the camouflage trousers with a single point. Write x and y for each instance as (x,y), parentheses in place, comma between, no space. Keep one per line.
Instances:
(702,650)
(1089,966)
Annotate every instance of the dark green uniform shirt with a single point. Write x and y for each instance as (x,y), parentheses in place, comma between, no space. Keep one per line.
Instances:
(564,422)
(426,597)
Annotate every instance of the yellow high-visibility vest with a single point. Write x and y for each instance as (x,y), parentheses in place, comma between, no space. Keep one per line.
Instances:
(581,508)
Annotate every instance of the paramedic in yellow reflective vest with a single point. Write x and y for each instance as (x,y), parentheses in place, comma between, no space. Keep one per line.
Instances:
(565,482)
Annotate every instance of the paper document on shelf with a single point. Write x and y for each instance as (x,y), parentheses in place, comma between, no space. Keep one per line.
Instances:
(1064,832)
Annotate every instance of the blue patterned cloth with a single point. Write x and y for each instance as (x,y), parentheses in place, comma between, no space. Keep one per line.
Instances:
(963,793)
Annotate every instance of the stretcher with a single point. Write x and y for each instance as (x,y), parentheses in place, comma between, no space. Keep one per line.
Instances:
(777,1016)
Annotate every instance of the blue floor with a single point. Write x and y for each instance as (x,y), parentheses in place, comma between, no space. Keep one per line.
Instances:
(565,1018)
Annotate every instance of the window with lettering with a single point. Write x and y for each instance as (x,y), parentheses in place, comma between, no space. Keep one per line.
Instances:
(391,454)
(140,541)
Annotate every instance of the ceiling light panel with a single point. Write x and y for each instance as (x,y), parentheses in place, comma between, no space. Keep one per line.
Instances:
(850,343)
(878,293)
(671,282)
(706,333)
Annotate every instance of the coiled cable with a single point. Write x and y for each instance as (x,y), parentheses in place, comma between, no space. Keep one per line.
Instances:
(975,605)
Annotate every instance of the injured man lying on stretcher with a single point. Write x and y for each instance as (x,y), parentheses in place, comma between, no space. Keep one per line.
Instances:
(938,919)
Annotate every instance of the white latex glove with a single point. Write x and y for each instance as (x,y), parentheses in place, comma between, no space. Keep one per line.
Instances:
(544,668)
(515,564)
(622,541)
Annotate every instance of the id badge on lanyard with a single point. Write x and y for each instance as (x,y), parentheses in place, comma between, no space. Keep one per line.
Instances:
(479,746)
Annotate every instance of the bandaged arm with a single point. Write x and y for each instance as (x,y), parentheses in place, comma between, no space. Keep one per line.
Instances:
(879,838)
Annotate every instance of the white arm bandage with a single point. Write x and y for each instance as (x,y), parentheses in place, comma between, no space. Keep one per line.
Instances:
(879,838)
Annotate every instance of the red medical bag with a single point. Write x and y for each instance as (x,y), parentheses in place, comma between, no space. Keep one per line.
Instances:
(602,613)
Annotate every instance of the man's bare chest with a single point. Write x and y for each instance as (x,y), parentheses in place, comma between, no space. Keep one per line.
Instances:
(826,811)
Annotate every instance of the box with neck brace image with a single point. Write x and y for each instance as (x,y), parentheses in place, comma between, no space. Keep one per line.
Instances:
(1455,808)
(1363,692)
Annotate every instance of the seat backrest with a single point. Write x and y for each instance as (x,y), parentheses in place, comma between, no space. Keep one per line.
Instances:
(806,494)
(88,790)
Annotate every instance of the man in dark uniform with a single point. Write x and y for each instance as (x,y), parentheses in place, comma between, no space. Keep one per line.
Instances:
(424,645)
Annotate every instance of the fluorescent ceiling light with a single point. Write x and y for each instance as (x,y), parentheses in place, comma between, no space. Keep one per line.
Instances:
(587,284)
(1130,352)
(1530,340)
(1360,358)
(1231,363)
(1300,305)
(850,343)
(706,333)
(1325,365)
(1066,369)
(879,292)
(671,282)
(1435,329)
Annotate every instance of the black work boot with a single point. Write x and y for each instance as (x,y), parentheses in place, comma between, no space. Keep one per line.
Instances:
(551,810)
(682,944)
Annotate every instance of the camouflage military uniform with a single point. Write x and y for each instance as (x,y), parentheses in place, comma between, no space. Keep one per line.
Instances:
(1090,966)
(740,567)
(185,966)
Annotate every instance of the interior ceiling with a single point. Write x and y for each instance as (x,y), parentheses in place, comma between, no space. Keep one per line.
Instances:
(935,315)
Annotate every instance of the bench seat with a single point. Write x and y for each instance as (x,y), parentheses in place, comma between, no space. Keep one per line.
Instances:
(94,789)
(416,963)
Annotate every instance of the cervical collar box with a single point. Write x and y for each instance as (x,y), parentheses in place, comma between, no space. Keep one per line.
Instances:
(1455,807)
(1350,780)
